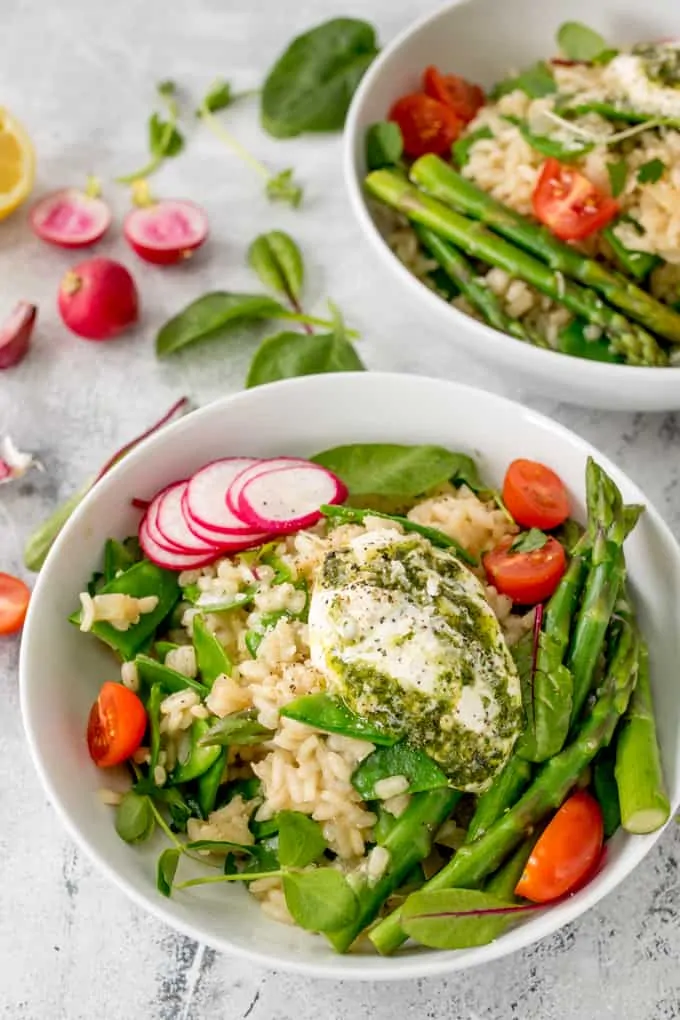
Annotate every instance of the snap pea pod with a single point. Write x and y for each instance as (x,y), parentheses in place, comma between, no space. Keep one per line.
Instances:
(238,729)
(198,759)
(163,648)
(117,559)
(151,672)
(636,263)
(211,658)
(332,716)
(209,783)
(153,711)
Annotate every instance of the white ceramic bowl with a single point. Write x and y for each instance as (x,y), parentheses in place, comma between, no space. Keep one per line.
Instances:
(61,669)
(483,40)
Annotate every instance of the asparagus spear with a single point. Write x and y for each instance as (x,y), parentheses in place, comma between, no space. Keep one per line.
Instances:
(502,884)
(605,788)
(642,793)
(442,181)
(408,842)
(475,861)
(458,269)
(501,795)
(636,345)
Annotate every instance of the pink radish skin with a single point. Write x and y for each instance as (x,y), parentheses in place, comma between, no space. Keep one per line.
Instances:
(166,232)
(286,499)
(98,299)
(15,334)
(205,502)
(170,560)
(70,218)
(150,522)
(172,527)
(255,469)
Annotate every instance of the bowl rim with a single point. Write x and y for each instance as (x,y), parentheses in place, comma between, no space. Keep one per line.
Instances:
(495,341)
(426,963)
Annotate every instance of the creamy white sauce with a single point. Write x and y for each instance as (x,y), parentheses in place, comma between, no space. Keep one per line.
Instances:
(625,76)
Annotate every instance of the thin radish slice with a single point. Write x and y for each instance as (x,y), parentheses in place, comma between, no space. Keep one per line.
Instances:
(170,560)
(70,218)
(288,498)
(172,526)
(252,471)
(166,232)
(205,503)
(150,521)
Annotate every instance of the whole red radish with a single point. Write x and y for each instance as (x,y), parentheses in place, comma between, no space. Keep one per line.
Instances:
(166,232)
(15,334)
(70,218)
(98,299)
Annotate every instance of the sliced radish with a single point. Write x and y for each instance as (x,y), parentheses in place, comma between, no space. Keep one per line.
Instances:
(205,502)
(252,471)
(15,334)
(288,498)
(170,560)
(166,232)
(70,218)
(171,525)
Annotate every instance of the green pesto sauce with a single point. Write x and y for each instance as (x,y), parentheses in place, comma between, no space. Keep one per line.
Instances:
(661,63)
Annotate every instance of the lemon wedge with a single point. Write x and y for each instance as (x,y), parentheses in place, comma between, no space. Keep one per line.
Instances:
(17,164)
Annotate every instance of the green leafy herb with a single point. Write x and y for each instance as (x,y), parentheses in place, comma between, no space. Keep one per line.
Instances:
(301,841)
(166,869)
(400,760)
(578,42)
(214,315)
(651,172)
(618,175)
(320,900)
(638,264)
(535,82)
(549,146)
(237,729)
(332,716)
(289,355)
(211,658)
(384,145)
(459,918)
(387,469)
(135,820)
(277,260)
(460,150)
(529,541)
(165,139)
(310,86)
(279,186)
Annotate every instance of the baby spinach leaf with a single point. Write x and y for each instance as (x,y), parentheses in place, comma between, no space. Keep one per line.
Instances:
(529,541)
(310,86)
(384,145)
(212,316)
(277,260)
(240,729)
(578,42)
(301,841)
(211,658)
(466,472)
(535,82)
(459,918)
(135,820)
(332,716)
(320,900)
(651,172)
(618,175)
(166,869)
(289,355)
(386,469)
(460,150)
(400,760)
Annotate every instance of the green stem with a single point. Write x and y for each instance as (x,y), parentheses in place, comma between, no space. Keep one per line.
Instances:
(211,879)
(219,131)
(155,161)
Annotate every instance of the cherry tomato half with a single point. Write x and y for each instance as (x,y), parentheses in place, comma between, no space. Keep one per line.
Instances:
(426,124)
(116,725)
(566,852)
(526,577)
(569,204)
(14,597)
(464,98)
(535,495)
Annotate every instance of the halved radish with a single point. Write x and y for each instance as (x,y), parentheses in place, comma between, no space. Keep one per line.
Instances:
(166,232)
(285,499)
(170,560)
(171,524)
(70,218)
(205,502)
(15,334)
(252,471)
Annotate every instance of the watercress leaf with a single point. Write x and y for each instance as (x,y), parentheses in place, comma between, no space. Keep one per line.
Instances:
(218,97)
(219,846)
(651,172)
(460,150)
(332,716)
(282,187)
(402,759)
(458,918)
(535,82)
(263,856)
(135,820)
(262,830)
(301,841)
(578,42)
(529,541)
(384,145)
(310,86)
(320,900)
(618,174)
(166,869)
(277,260)
(166,88)
(212,316)
(386,469)
(288,355)
(241,728)
(165,140)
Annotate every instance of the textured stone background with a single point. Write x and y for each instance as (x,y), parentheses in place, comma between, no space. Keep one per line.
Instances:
(81,75)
